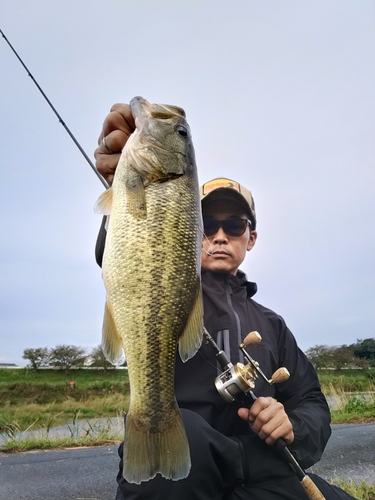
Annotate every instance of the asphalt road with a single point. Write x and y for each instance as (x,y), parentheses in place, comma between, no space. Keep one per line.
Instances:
(74,474)
(89,473)
(350,452)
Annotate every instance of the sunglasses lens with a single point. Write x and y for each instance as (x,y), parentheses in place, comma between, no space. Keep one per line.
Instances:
(232,227)
(210,226)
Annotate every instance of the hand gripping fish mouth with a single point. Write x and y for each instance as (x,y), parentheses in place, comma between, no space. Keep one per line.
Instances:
(151,271)
(160,147)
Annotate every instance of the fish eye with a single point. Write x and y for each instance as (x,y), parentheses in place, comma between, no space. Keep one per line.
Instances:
(182,130)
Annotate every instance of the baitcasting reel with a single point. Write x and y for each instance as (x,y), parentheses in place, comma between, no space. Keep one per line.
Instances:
(239,379)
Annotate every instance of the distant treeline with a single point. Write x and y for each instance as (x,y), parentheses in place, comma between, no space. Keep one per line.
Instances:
(66,357)
(358,355)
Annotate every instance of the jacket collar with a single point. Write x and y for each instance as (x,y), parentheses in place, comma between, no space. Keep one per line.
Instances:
(239,279)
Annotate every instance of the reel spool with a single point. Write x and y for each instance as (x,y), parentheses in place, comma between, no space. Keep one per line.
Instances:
(235,380)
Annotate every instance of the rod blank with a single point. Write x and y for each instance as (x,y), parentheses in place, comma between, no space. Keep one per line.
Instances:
(103,181)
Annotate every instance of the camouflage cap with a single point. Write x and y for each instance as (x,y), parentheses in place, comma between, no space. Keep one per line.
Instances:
(221,188)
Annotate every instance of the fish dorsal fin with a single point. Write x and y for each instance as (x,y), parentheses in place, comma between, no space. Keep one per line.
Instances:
(104,202)
(191,338)
(135,194)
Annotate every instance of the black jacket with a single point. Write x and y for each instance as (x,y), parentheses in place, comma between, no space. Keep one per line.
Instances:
(230,314)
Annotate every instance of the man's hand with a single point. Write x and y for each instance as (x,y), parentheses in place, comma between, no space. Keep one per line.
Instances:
(268,419)
(117,128)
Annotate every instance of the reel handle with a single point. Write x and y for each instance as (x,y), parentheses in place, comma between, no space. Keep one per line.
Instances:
(280,375)
(252,338)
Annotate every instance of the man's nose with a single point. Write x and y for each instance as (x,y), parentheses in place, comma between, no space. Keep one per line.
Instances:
(220,236)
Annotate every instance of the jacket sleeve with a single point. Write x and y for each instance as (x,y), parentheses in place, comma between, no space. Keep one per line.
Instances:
(100,243)
(304,402)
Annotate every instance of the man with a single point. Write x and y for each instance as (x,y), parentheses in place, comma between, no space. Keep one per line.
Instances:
(231,452)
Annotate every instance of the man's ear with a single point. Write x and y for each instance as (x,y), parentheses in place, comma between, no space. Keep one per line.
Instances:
(252,239)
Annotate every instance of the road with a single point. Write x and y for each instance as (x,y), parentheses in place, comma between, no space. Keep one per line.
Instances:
(350,452)
(89,473)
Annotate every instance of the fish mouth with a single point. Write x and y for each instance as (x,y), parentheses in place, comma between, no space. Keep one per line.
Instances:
(138,106)
(155,159)
(140,110)
(143,110)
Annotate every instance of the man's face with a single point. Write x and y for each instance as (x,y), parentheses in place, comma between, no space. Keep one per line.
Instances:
(223,253)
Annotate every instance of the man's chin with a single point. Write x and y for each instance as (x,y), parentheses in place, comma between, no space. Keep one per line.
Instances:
(220,267)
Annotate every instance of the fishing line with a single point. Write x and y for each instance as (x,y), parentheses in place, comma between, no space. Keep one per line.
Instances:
(104,182)
(208,241)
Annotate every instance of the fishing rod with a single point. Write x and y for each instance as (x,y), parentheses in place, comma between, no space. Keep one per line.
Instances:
(236,383)
(103,181)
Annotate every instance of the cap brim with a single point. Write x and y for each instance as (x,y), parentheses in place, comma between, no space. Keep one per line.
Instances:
(229,195)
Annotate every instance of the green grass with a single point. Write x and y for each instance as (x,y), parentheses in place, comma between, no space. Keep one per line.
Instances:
(355,409)
(347,380)
(361,491)
(45,398)
(92,437)
(82,378)
(346,387)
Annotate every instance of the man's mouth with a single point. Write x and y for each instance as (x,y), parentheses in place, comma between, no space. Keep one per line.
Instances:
(219,252)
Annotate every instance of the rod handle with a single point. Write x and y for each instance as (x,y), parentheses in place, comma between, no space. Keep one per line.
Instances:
(312,491)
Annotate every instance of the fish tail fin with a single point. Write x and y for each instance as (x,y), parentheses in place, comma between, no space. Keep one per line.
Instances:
(191,338)
(147,453)
(111,341)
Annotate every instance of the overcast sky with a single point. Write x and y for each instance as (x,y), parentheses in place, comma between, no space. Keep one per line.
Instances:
(280,96)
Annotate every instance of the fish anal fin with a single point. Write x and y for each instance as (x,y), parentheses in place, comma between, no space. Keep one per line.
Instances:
(103,204)
(135,194)
(191,338)
(165,452)
(111,341)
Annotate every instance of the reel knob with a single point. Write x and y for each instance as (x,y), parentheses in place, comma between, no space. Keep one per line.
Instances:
(280,375)
(252,338)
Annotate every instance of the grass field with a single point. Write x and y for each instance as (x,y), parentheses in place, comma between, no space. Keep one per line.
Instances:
(45,398)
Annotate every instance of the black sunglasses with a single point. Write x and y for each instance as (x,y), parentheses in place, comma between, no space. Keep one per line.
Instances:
(235,226)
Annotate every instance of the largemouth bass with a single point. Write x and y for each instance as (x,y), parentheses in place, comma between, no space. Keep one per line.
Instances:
(151,271)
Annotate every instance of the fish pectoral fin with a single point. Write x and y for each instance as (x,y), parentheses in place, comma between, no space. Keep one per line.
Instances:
(164,451)
(104,202)
(111,341)
(191,338)
(135,194)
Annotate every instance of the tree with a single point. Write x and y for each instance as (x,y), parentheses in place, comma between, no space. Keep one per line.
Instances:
(364,348)
(320,356)
(38,357)
(342,356)
(66,356)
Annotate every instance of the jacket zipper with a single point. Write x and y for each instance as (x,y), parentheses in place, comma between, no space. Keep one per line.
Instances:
(228,293)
